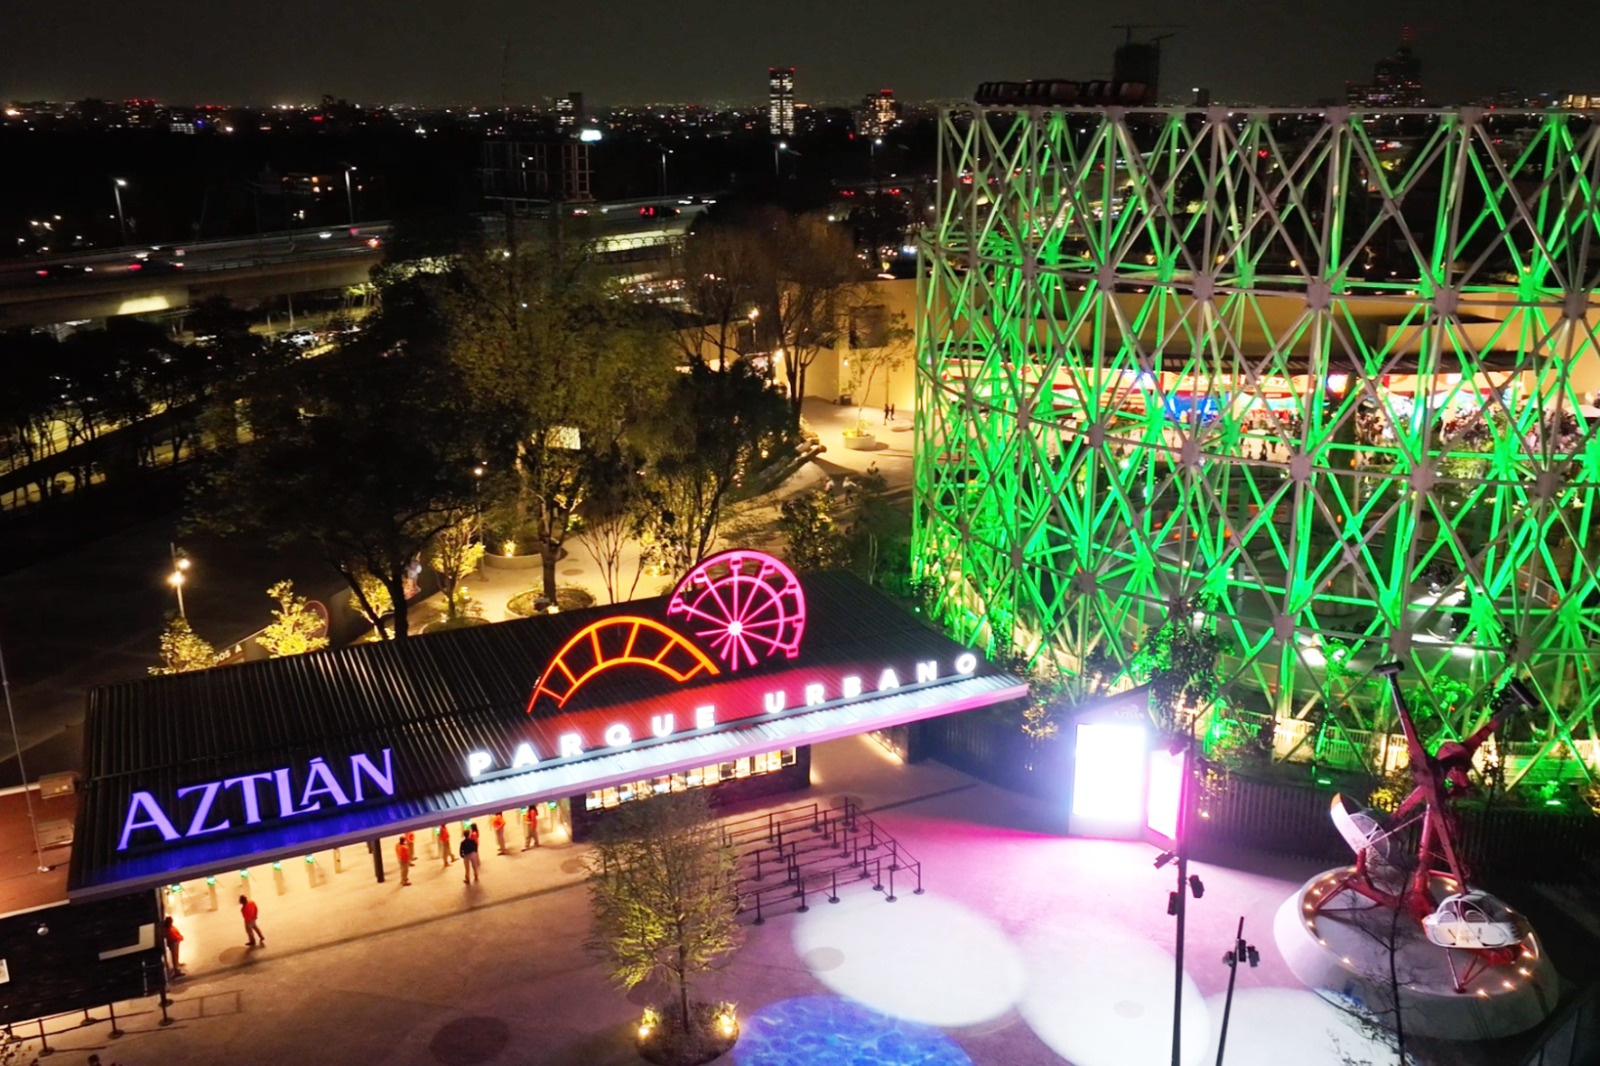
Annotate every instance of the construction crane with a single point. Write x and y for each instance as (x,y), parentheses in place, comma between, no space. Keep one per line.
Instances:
(1140,61)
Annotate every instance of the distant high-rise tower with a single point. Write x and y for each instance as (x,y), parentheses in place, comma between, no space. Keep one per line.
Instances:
(1139,62)
(880,113)
(1396,82)
(569,110)
(780,101)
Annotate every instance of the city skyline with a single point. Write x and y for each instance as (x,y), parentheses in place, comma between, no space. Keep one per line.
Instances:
(635,53)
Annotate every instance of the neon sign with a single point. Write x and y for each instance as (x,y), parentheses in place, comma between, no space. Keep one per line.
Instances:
(211,807)
(574,738)
(747,605)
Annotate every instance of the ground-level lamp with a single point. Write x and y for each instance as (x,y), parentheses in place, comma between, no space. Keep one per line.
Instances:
(1241,953)
(179,574)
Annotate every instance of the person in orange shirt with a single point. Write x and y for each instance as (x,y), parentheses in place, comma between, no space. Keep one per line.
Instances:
(444,845)
(498,824)
(249,910)
(172,938)
(402,852)
(530,826)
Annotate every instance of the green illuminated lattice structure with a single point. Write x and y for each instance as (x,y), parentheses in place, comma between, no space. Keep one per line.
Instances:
(1336,368)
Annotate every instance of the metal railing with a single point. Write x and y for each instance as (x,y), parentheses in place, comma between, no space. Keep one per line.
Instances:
(153,974)
(788,855)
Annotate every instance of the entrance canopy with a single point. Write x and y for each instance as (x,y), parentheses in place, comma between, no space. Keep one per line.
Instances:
(194,773)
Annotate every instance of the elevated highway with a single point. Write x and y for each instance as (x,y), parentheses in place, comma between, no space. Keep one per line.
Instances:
(144,279)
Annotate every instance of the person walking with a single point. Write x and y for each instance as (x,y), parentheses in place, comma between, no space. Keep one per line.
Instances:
(888,413)
(252,931)
(469,855)
(530,826)
(172,938)
(498,824)
(402,853)
(891,412)
(445,851)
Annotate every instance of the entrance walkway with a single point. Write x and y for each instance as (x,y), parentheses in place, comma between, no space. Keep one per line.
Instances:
(1028,949)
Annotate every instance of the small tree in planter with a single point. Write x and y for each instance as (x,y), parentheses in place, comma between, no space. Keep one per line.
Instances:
(457,551)
(295,627)
(666,908)
(884,349)
(182,649)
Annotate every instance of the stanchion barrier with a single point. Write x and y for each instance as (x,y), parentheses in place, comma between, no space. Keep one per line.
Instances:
(877,875)
(918,890)
(802,886)
(45,1050)
(759,919)
(890,896)
(115,1032)
(835,897)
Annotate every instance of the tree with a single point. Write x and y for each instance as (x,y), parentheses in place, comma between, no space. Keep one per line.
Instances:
(815,541)
(183,650)
(294,628)
(879,343)
(812,284)
(1179,660)
(616,516)
(563,364)
(366,453)
(716,429)
(722,271)
(663,892)
(456,553)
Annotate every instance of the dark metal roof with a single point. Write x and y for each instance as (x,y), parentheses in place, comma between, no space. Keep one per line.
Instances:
(433,699)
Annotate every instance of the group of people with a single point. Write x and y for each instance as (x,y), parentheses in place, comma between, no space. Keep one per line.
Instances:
(406,853)
(172,939)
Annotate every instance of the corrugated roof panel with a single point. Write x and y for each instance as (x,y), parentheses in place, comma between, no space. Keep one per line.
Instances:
(434,699)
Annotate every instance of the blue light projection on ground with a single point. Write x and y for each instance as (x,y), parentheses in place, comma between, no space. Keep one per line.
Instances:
(824,1031)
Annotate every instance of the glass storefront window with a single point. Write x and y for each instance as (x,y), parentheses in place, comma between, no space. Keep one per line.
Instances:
(699,777)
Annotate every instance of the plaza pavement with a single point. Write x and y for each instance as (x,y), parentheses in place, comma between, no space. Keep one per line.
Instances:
(1027,948)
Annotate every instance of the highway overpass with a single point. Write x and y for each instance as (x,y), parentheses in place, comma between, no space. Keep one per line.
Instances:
(638,237)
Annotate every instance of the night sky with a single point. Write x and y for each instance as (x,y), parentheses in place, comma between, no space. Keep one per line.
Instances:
(616,51)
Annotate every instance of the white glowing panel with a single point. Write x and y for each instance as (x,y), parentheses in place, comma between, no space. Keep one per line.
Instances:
(1164,795)
(921,958)
(1108,786)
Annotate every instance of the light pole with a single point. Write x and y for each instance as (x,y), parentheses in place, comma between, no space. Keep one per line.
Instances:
(180,567)
(781,146)
(349,197)
(664,153)
(117,185)
(877,142)
(1241,952)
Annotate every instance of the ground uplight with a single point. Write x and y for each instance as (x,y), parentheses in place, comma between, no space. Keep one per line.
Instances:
(922,958)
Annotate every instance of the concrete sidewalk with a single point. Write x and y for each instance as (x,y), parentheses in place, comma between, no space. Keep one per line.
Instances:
(1027,948)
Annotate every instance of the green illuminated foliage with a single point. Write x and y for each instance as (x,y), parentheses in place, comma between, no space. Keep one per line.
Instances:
(295,629)
(182,649)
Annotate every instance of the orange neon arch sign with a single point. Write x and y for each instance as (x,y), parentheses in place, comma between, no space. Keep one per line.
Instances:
(625,640)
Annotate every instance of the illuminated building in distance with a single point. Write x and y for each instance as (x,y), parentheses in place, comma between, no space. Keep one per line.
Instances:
(780,101)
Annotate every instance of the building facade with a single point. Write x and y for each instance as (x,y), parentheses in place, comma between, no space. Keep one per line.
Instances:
(1330,396)
(780,101)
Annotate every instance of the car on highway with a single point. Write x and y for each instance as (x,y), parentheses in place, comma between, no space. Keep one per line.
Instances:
(63,270)
(302,339)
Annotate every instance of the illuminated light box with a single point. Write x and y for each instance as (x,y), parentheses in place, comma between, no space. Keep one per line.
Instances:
(1109,767)
(1164,797)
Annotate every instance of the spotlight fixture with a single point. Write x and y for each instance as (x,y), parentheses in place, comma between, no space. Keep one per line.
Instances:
(1164,858)
(43,930)
(1197,886)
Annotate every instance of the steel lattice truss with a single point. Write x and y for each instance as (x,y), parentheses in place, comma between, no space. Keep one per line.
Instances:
(1334,368)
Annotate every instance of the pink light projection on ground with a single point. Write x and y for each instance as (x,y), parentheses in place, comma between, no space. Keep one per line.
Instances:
(923,958)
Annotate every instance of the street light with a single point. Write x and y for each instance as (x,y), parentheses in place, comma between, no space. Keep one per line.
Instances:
(877,142)
(117,185)
(1241,953)
(349,197)
(180,567)
(781,146)
(664,153)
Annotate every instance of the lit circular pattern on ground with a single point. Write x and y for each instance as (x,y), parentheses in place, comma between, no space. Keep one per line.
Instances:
(1098,995)
(824,1031)
(922,958)
(1266,1023)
